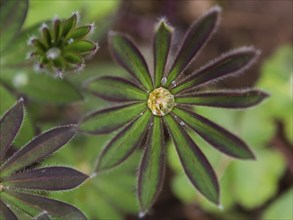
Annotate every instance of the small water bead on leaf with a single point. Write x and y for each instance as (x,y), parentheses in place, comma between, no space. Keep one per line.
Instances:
(161,101)
(53,53)
(163,81)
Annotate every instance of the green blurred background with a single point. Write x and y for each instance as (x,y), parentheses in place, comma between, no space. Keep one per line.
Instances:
(260,189)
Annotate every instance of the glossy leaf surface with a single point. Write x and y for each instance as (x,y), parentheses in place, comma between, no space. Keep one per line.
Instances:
(217,136)
(48,178)
(224,99)
(9,126)
(152,168)
(161,47)
(195,164)
(109,119)
(39,148)
(124,143)
(128,56)
(229,64)
(115,89)
(195,38)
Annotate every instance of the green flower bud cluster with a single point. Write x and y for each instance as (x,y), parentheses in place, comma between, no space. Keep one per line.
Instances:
(62,47)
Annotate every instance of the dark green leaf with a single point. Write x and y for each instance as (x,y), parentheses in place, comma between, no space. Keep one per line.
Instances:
(115,89)
(79,33)
(9,126)
(6,213)
(161,46)
(128,56)
(229,64)
(53,207)
(195,38)
(73,58)
(12,16)
(48,178)
(195,164)
(152,168)
(224,99)
(39,148)
(82,46)
(109,119)
(57,31)
(69,24)
(217,136)
(124,143)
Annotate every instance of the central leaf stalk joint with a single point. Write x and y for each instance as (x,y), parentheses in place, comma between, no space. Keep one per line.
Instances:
(161,101)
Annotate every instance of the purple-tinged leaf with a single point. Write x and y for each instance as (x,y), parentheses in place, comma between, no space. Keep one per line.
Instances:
(37,149)
(124,143)
(127,55)
(53,207)
(107,120)
(48,178)
(228,64)
(6,213)
(161,47)
(115,89)
(223,99)
(152,168)
(215,135)
(195,38)
(12,16)
(195,164)
(9,126)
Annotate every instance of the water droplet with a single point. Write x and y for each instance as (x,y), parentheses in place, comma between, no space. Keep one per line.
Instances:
(53,53)
(93,175)
(141,214)
(20,80)
(174,83)
(59,74)
(141,113)
(182,123)
(221,207)
(163,81)
(70,41)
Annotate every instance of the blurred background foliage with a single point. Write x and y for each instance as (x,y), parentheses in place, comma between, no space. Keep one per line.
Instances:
(260,189)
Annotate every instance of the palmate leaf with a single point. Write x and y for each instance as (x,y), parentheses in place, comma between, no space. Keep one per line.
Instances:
(229,64)
(12,16)
(195,38)
(195,164)
(127,55)
(6,212)
(223,99)
(9,126)
(48,178)
(37,149)
(217,136)
(109,119)
(152,168)
(161,47)
(53,207)
(115,89)
(124,143)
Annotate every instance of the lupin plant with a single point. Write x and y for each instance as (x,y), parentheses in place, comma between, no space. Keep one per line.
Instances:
(63,46)
(22,178)
(153,105)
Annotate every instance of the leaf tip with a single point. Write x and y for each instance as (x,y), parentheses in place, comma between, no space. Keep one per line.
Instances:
(163,21)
